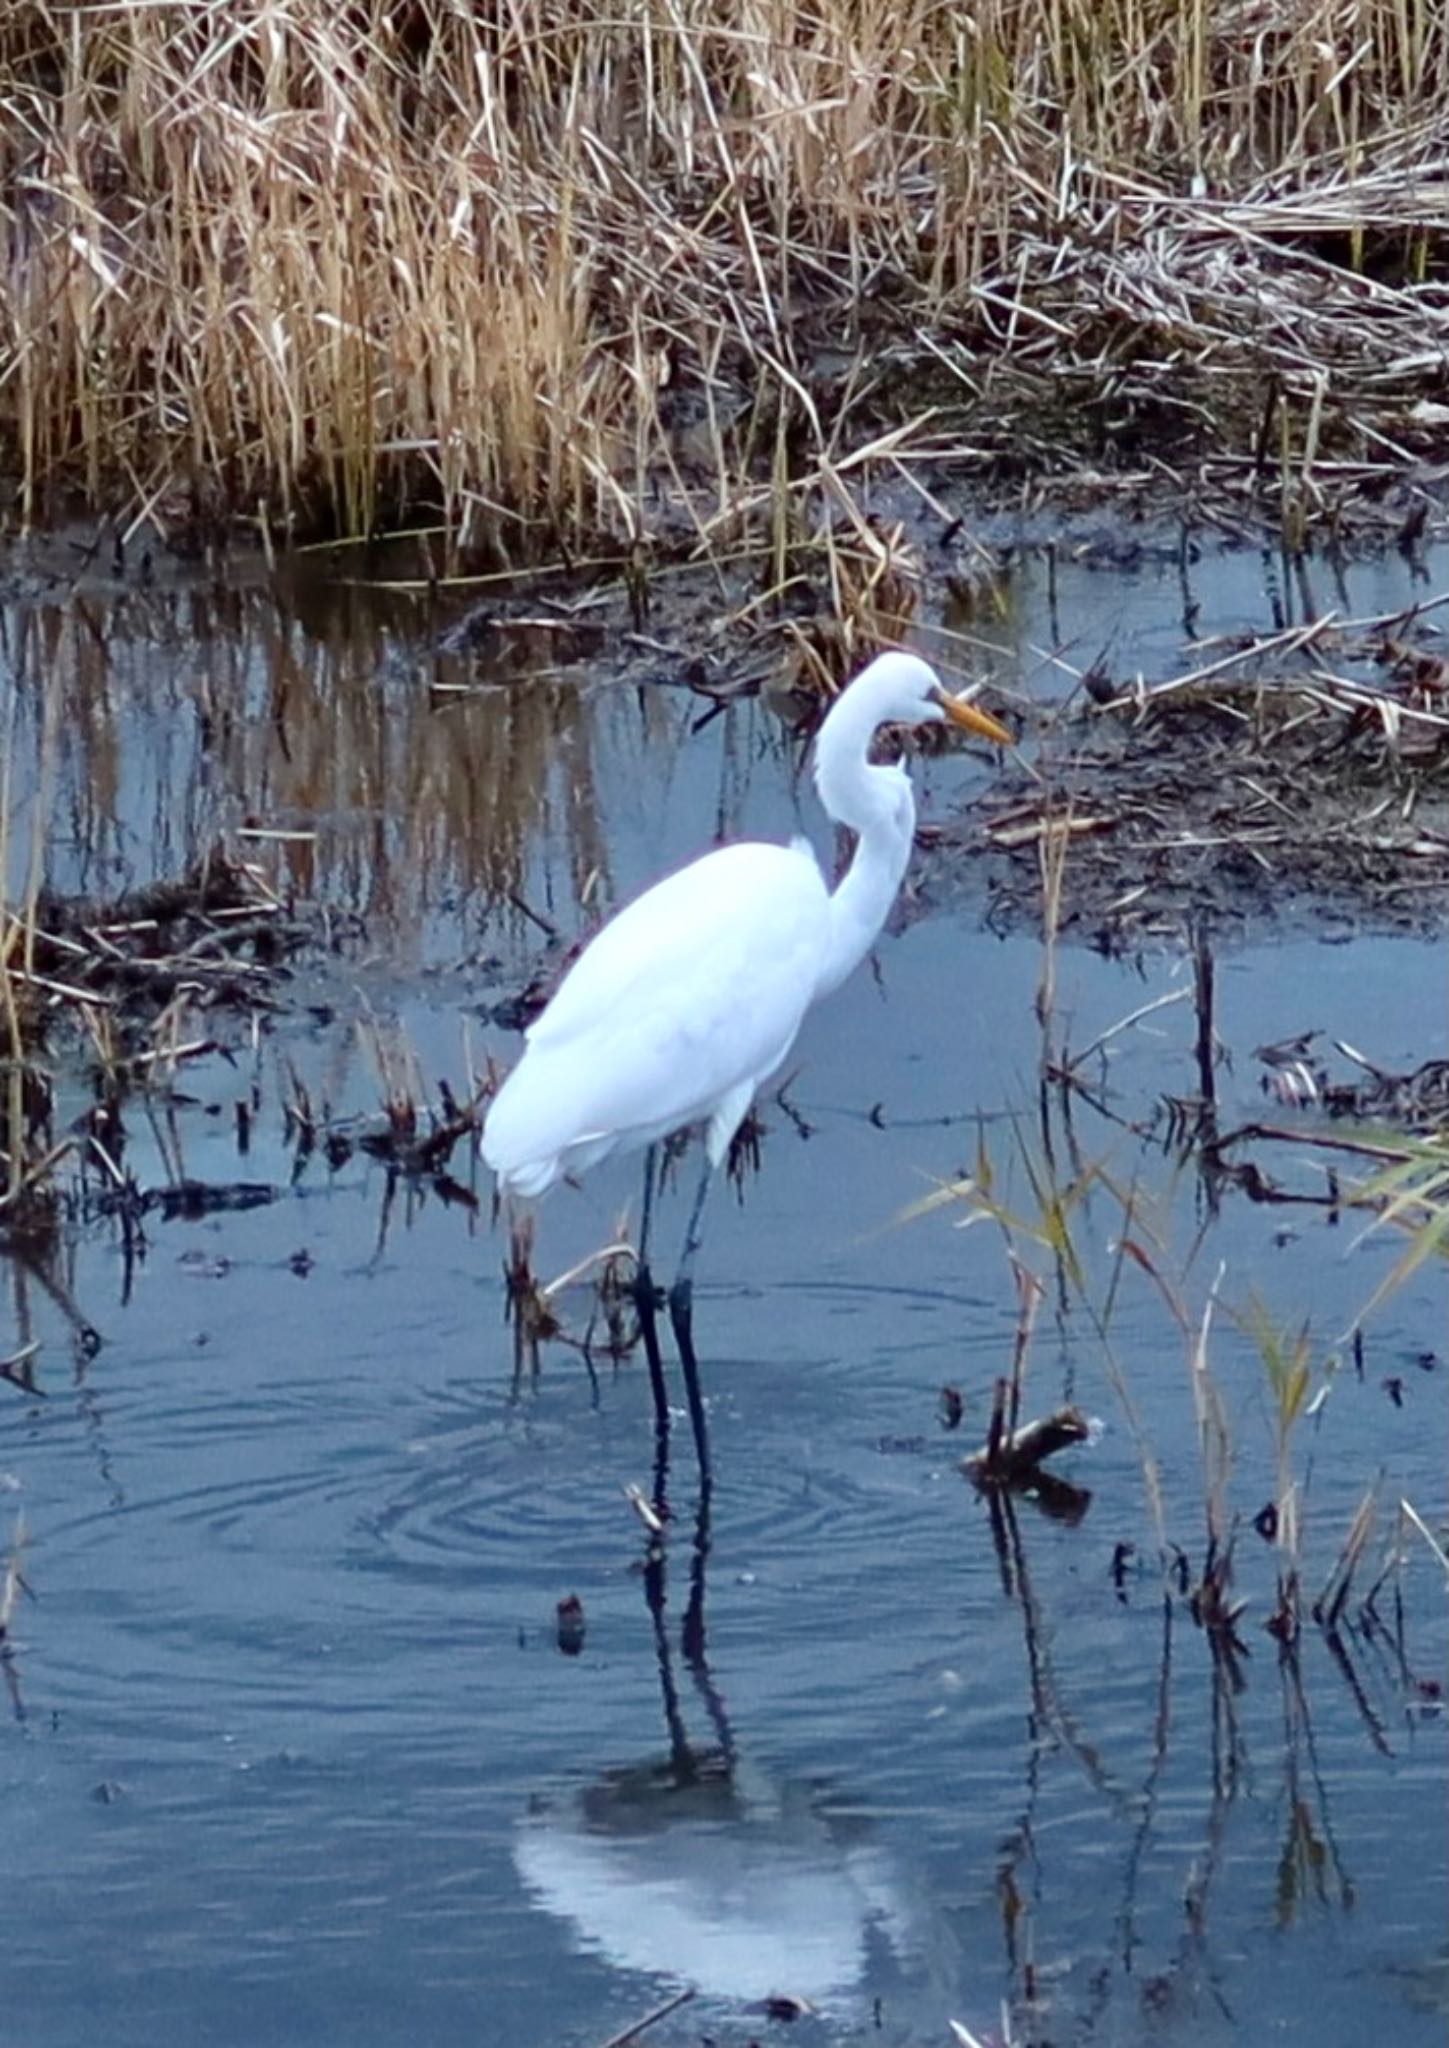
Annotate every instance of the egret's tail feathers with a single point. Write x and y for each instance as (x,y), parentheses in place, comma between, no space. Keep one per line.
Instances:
(529,1149)
(528,1178)
(520,1167)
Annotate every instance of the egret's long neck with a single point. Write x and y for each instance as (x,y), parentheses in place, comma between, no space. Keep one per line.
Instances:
(877,805)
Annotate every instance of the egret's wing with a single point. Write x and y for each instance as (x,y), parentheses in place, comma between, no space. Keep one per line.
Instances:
(742,903)
(696,988)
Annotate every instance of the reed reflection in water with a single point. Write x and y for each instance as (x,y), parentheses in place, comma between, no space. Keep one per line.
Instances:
(148,723)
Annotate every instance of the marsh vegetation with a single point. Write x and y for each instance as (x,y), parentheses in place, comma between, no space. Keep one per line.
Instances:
(451,456)
(563,279)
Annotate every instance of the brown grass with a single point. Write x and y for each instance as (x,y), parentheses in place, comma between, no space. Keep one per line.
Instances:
(563,271)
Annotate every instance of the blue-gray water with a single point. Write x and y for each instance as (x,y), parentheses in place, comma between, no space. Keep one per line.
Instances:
(293,1753)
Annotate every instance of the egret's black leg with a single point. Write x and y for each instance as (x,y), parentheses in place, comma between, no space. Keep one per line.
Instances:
(646,1207)
(681,1315)
(646,1306)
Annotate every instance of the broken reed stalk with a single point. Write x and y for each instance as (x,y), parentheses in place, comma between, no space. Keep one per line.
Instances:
(28,1155)
(1411,1514)
(1014,1451)
(630,2034)
(12,1577)
(1029,1292)
(294,263)
(1286,1355)
(1052,848)
(1330,1603)
(525,1306)
(1014,1457)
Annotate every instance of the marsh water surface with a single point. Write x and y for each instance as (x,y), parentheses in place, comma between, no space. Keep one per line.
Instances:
(293,1753)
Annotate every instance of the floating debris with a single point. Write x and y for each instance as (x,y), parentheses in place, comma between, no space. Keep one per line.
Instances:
(1014,1457)
(569,1620)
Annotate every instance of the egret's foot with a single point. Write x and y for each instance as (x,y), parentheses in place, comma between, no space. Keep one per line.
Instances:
(681,1315)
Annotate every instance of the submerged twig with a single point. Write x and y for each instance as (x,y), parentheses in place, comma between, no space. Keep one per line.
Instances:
(660,2012)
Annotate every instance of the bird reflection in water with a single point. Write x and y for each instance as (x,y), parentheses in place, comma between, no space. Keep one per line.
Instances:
(698,1866)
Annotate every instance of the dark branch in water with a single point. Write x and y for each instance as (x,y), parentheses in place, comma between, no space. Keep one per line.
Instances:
(1013,1457)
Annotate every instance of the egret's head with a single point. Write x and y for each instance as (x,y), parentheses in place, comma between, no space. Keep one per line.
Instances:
(901,689)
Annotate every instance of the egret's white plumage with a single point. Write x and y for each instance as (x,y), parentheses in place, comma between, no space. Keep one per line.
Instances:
(692,995)
(680,1006)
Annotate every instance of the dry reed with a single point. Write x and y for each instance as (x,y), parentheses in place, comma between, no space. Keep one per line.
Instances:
(568,271)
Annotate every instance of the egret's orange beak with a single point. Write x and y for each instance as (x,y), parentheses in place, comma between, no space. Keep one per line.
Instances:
(972,720)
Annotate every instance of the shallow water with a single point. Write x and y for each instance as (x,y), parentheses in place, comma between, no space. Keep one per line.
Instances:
(293,1752)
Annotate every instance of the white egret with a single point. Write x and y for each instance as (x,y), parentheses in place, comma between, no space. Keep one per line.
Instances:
(691,997)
